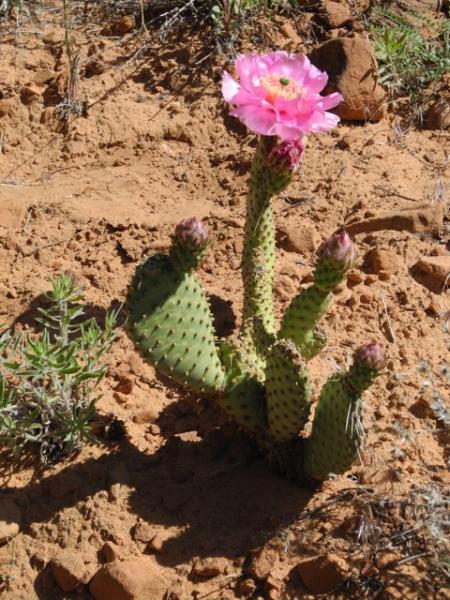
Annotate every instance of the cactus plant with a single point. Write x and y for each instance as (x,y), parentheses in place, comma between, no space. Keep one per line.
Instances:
(259,377)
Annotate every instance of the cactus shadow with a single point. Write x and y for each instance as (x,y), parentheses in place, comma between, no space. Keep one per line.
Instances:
(224,319)
(215,491)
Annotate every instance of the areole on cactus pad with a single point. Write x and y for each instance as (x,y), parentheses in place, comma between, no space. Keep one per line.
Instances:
(259,377)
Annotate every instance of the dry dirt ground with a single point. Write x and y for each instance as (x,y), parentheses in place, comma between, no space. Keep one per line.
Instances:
(183,503)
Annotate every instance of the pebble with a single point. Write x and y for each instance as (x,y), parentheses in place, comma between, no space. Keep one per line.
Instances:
(436,266)
(69,571)
(10,518)
(385,260)
(134,579)
(110,551)
(323,574)
(210,567)
(263,562)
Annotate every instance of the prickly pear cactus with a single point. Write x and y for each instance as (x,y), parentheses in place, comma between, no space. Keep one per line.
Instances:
(259,378)
(169,317)
(337,431)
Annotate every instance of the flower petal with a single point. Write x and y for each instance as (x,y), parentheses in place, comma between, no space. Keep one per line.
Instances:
(230,87)
(330,101)
(257,119)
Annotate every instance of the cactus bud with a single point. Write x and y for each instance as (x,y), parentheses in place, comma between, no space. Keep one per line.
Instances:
(336,257)
(370,355)
(189,244)
(367,362)
(339,250)
(286,155)
(192,234)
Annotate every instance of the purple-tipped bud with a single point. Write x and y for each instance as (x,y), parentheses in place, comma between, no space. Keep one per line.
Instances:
(339,249)
(192,233)
(370,355)
(286,155)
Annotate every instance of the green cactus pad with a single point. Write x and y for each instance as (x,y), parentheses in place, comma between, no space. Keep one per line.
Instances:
(337,431)
(328,275)
(299,321)
(243,397)
(171,325)
(259,237)
(253,344)
(288,391)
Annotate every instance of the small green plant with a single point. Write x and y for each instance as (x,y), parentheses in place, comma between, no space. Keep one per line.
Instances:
(228,16)
(48,381)
(408,62)
(71,104)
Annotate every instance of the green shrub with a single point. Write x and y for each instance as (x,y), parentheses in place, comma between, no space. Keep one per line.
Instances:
(48,380)
(408,62)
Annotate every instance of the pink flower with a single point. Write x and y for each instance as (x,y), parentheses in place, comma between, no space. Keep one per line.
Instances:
(278,94)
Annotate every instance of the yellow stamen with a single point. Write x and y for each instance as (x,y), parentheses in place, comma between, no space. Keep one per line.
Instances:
(281,87)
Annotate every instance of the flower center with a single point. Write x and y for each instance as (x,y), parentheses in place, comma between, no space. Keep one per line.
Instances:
(281,87)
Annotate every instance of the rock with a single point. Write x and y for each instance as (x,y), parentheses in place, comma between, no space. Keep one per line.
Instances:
(110,551)
(263,562)
(137,579)
(53,38)
(323,574)
(352,70)
(285,287)
(334,13)
(426,218)
(94,67)
(145,416)
(384,260)
(436,266)
(436,307)
(302,239)
(30,94)
(124,384)
(120,27)
(143,532)
(69,571)
(158,540)
(246,587)
(362,5)
(438,115)
(154,429)
(6,105)
(10,518)
(210,567)
(355,277)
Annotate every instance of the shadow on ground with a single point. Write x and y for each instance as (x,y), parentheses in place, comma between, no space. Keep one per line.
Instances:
(216,488)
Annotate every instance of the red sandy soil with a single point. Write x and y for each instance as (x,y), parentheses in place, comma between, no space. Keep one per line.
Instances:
(186,501)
